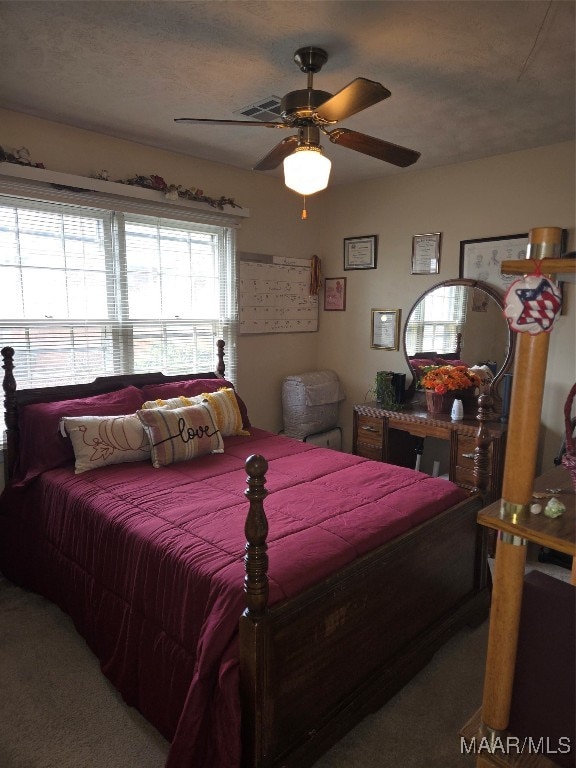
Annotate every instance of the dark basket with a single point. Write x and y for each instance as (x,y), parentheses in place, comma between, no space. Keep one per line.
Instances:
(569,457)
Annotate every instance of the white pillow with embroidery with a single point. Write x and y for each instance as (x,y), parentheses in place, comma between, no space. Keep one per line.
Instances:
(101,440)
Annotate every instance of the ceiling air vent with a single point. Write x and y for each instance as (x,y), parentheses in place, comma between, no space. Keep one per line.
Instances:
(265,110)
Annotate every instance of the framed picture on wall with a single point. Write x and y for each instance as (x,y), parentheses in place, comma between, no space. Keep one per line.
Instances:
(335,294)
(385,329)
(480,259)
(360,252)
(426,253)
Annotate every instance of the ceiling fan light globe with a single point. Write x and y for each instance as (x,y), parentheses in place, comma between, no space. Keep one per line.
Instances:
(306,170)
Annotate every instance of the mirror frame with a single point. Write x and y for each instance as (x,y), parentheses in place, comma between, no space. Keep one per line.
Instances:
(509,357)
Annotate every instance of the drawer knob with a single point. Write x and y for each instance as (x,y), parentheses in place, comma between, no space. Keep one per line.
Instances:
(369,429)
(467,455)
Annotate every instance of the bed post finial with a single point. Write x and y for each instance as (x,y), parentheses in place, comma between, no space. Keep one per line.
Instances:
(458,350)
(483,440)
(10,412)
(221,368)
(256,530)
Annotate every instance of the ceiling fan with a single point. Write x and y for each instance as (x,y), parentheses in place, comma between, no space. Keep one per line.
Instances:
(310,112)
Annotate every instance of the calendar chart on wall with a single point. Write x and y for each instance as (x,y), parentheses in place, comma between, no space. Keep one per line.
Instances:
(274,295)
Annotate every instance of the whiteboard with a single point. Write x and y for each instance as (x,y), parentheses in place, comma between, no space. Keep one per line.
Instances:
(274,295)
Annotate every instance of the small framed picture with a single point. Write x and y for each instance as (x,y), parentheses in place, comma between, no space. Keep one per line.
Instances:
(480,300)
(335,294)
(385,329)
(360,252)
(426,253)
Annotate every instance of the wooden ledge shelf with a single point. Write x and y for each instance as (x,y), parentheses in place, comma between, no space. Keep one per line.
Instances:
(558,533)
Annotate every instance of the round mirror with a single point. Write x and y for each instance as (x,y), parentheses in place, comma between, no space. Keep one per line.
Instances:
(460,322)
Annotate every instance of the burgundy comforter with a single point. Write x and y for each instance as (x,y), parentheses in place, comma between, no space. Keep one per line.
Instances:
(149,563)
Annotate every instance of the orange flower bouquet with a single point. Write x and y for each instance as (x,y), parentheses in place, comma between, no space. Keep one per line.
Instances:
(448,378)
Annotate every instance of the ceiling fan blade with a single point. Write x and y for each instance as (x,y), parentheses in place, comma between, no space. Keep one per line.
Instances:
(354,97)
(274,158)
(368,145)
(207,121)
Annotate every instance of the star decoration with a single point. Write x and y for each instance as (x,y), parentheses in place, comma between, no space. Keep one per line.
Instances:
(532,304)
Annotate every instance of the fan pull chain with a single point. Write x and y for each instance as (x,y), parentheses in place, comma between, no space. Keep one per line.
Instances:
(304,211)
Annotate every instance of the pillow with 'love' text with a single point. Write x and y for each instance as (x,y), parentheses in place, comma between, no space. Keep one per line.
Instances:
(180,434)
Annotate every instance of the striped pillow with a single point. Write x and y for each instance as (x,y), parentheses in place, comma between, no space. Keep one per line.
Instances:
(225,407)
(172,402)
(179,434)
(223,402)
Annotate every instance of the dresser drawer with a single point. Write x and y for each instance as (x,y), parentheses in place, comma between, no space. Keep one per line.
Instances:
(420,430)
(369,451)
(370,431)
(465,452)
(464,476)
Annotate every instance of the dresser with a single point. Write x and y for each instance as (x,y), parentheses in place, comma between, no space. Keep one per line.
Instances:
(395,437)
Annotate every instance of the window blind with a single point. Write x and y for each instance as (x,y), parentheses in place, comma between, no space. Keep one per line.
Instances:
(90,292)
(437,320)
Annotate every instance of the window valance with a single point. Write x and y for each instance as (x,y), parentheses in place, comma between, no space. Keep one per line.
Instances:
(32,182)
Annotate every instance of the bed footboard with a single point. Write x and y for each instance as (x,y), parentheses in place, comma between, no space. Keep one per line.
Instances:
(312,667)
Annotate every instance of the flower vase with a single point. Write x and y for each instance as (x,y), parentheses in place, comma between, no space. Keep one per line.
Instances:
(437,403)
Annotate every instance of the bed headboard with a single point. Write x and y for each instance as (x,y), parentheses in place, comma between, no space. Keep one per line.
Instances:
(443,355)
(15,398)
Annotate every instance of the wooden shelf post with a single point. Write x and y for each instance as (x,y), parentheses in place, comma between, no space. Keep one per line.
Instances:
(519,471)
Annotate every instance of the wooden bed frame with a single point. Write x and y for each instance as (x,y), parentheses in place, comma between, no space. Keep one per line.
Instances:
(313,666)
(444,355)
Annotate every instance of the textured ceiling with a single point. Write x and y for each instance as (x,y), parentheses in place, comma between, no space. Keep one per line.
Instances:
(469,79)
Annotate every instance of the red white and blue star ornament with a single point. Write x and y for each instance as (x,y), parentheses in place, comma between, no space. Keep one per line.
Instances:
(532,304)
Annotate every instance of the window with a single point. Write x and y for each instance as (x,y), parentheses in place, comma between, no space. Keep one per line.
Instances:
(436,321)
(89,292)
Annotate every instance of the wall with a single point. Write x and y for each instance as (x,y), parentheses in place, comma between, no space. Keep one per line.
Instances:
(486,335)
(495,196)
(490,197)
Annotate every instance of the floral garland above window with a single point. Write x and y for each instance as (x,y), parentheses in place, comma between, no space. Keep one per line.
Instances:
(171,191)
(19,156)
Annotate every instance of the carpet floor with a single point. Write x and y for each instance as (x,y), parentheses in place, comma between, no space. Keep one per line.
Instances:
(58,711)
